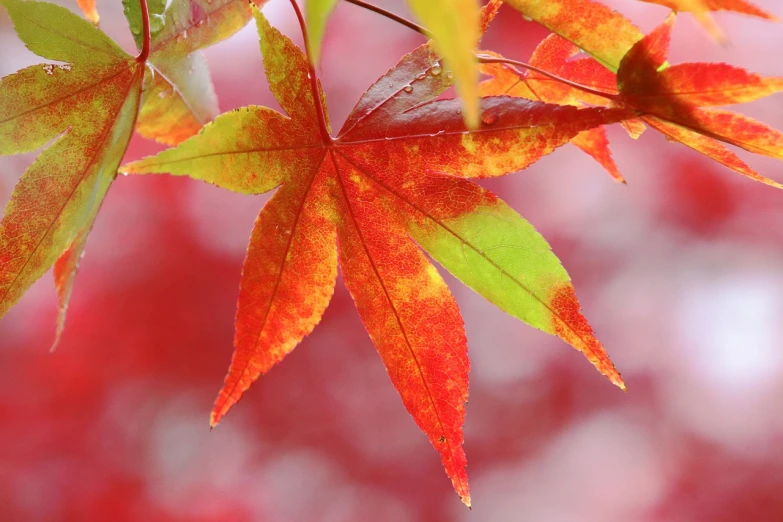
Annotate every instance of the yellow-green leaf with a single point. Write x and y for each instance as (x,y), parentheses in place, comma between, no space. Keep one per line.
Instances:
(317,13)
(454,25)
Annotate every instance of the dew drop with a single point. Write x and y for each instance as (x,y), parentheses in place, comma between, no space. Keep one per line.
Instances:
(436,70)
(408,89)
(184,35)
(449,75)
(162,94)
(48,68)
(526,18)
(489,118)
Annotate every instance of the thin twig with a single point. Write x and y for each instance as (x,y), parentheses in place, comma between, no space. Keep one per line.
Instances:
(147,33)
(484,58)
(319,108)
(391,16)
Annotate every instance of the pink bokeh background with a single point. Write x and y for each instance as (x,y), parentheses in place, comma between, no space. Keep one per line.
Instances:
(680,273)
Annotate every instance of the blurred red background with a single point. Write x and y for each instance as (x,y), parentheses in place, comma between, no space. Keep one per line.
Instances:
(680,272)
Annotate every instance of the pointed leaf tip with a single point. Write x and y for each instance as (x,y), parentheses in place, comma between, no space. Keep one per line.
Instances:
(571,326)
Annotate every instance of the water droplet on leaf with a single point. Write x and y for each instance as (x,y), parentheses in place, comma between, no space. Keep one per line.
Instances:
(436,70)
(408,89)
(489,118)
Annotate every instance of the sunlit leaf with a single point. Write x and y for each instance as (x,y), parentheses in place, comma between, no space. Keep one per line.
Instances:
(454,25)
(395,170)
(655,91)
(593,27)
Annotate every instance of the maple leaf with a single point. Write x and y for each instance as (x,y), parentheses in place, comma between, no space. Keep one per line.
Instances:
(91,104)
(390,183)
(181,98)
(701,10)
(674,98)
(88,107)
(454,26)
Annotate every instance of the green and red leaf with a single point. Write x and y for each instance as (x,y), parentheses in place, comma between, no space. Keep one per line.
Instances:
(88,106)
(390,180)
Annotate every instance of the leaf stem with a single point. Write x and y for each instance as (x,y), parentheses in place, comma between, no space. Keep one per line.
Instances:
(391,16)
(319,107)
(483,58)
(147,33)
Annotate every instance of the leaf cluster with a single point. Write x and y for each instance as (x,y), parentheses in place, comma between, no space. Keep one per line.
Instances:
(391,189)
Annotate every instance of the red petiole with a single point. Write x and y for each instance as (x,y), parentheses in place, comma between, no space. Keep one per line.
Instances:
(319,108)
(145,20)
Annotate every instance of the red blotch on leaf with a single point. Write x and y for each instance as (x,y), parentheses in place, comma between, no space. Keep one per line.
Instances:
(571,326)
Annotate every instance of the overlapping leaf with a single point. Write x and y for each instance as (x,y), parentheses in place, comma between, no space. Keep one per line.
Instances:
(86,108)
(557,56)
(181,98)
(674,99)
(593,27)
(396,171)
(454,25)
(89,106)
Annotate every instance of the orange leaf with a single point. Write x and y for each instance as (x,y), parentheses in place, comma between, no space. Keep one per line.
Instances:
(673,95)
(601,32)
(394,172)
(707,146)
